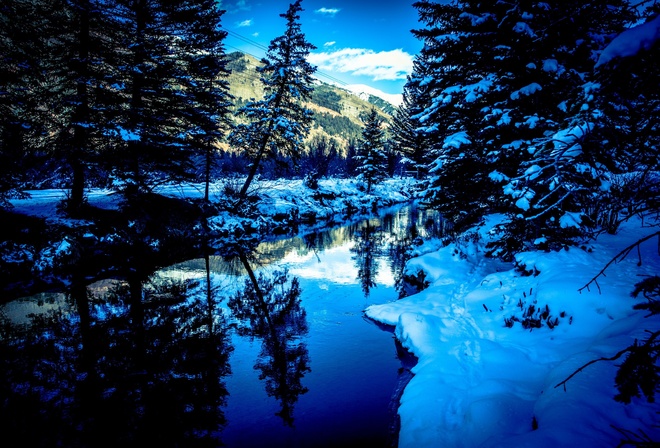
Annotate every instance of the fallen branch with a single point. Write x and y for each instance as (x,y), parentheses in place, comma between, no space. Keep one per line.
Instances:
(593,361)
(617,258)
(632,348)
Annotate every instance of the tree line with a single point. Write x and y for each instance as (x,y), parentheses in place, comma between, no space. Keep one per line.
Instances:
(513,108)
(129,94)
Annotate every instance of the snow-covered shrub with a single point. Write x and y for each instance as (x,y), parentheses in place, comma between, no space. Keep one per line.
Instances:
(534,316)
(311,180)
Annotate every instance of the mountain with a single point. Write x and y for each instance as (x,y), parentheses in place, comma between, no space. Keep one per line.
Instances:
(363,91)
(337,111)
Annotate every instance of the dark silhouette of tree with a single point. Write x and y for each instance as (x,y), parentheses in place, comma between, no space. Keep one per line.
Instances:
(145,101)
(204,86)
(79,33)
(20,75)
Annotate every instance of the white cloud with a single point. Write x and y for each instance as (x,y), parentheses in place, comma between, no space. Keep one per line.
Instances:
(329,44)
(380,66)
(255,34)
(328,11)
(244,23)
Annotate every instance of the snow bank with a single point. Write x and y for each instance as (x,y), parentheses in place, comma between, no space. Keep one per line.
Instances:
(282,202)
(479,383)
(631,42)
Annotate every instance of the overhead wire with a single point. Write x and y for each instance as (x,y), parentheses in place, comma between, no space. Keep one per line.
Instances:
(234,34)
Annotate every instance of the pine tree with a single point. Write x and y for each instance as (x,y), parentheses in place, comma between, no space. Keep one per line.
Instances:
(553,194)
(407,138)
(20,74)
(205,89)
(146,96)
(499,76)
(370,151)
(624,108)
(454,70)
(278,123)
(78,35)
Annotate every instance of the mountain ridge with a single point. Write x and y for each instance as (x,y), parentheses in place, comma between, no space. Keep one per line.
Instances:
(338,111)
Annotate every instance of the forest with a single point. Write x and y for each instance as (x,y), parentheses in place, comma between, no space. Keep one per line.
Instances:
(546,113)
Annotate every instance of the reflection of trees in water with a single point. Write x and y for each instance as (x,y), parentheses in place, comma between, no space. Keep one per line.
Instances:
(144,363)
(367,249)
(269,308)
(402,239)
(393,237)
(137,366)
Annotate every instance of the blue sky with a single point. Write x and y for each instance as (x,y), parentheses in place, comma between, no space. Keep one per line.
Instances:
(358,42)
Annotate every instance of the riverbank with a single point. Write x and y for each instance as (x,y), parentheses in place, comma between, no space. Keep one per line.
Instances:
(40,244)
(276,203)
(496,340)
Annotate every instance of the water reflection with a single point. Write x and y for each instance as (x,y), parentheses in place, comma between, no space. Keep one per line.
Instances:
(139,363)
(268,307)
(366,250)
(144,357)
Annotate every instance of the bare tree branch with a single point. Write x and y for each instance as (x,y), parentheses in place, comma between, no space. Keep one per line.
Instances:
(620,257)
(593,361)
(647,343)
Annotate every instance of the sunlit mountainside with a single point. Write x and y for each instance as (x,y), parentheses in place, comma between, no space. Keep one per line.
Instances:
(338,112)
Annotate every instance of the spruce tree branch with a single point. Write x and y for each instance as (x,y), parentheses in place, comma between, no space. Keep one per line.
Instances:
(647,343)
(620,257)
(593,361)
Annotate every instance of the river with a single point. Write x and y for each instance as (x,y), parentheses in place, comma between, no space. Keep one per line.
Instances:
(263,344)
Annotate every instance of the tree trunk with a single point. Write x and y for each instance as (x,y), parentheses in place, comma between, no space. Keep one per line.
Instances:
(80,136)
(207,173)
(253,171)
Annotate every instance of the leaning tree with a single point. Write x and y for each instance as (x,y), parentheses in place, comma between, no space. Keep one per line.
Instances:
(278,123)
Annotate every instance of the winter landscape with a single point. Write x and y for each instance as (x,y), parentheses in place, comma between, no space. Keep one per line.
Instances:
(202,247)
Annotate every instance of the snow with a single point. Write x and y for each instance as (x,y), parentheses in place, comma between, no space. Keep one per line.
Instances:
(472,91)
(476,20)
(631,42)
(523,28)
(456,140)
(288,199)
(567,141)
(550,65)
(364,90)
(479,383)
(527,90)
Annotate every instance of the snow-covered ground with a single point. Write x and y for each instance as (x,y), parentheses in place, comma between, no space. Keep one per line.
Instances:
(283,198)
(477,382)
(481,384)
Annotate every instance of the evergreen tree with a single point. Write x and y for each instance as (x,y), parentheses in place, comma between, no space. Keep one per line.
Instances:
(407,138)
(624,108)
(499,76)
(205,89)
(554,194)
(78,37)
(350,162)
(147,105)
(278,123)
(20,75)
(370,156)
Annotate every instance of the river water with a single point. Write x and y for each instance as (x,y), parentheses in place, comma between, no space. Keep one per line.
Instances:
(263,344)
